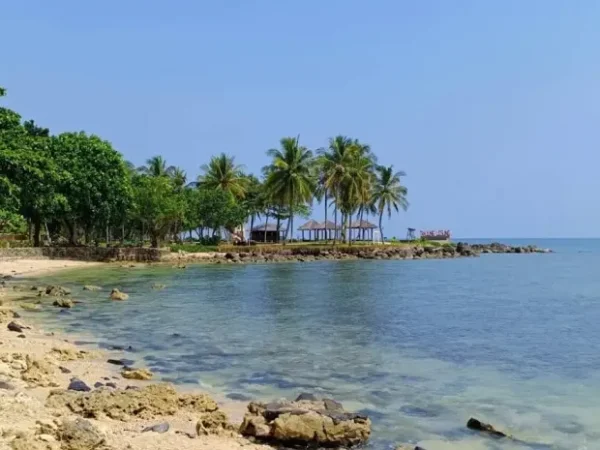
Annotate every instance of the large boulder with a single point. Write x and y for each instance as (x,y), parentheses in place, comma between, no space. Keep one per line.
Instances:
(306,422)
(62,302)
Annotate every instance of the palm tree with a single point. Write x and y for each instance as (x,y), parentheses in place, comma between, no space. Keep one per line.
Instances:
(179,177)
(389,193)
(156,167)
(290,177)
(222,173)
(334,163)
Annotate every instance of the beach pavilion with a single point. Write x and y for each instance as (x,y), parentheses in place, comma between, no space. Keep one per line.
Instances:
(364,229)
(313,227)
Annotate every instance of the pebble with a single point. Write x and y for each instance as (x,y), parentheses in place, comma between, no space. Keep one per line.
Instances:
(22,336)
(112,385)
(64,369)
(77,385)
(120,362)
(158,428)
(97,384)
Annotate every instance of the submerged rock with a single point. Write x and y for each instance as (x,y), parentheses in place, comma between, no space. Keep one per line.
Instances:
(306,422)
(79,434)
(57,290)
(116,294)
(158,286)
(136,374)
(91,287)
(477,425)
(147,403)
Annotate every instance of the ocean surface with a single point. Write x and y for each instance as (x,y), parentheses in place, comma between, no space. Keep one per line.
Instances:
(420,346)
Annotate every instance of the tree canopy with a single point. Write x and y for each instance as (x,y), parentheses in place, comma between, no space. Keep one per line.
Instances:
(75,188)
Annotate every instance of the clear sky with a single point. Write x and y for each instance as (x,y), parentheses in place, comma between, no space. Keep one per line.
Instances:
(491,107)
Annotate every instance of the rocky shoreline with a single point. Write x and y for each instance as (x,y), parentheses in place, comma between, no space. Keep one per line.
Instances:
(246,255)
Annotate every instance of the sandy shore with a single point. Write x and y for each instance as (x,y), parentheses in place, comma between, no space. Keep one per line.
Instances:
(34,363)
(37,267)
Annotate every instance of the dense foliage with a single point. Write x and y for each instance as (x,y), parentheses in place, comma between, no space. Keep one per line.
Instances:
(76,189)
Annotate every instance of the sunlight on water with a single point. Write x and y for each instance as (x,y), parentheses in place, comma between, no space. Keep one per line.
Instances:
(420,346)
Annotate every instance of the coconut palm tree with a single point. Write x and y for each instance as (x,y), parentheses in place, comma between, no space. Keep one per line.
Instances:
(389,193)
(179,177)
(224,174)
(290,177)
(334,163)
(156,167)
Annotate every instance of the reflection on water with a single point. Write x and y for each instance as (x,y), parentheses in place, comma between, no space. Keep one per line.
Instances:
(420,346)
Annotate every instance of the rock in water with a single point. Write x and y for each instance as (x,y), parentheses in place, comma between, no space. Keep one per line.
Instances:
(158,286)
(158,428)
(79,434)
(116,294)
(77,385)
(475,424)
(90,287)
(63,302)
(57,291)
(136,374)
(306,422)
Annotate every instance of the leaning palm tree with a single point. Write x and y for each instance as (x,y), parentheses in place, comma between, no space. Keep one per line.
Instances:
(389,193)
(224,174)
(290,177)
(156,167)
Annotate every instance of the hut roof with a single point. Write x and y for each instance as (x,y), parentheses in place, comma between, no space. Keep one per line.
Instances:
(329,225)
(362,224)
(269,227)
(311,225)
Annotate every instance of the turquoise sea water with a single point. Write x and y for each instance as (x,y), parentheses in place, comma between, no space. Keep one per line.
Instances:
(420,346)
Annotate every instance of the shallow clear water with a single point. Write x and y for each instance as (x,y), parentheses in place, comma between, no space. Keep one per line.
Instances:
(418,345)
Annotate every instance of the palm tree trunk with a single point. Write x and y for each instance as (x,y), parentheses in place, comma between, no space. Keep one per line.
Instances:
(266,222)
(381,226)
(47,232)
(335,214)
(326,231)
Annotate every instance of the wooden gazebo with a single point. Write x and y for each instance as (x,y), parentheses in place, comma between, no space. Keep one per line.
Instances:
(313,227)
(265,233)
(327,227)
(363,227)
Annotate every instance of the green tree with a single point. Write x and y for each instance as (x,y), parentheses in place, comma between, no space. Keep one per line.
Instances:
(221,173)
(156,167)
(389,193)
(217,210)
(98,187)
(157,206)
(291,177)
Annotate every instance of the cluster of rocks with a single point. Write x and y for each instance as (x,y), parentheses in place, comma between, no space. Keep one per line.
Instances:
(307,421)
(383,252)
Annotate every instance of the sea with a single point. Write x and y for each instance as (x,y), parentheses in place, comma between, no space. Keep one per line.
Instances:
(419,346)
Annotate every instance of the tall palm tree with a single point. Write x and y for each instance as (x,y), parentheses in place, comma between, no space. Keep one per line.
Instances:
(223,173)
(290,177)
(335,162)
(156,167)
(389,193)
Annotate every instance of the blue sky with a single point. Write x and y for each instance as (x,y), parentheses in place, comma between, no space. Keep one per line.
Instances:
(491,107)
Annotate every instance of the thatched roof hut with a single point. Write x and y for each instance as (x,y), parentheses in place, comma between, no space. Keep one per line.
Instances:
(362,225)
(329,225)
(311,225)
